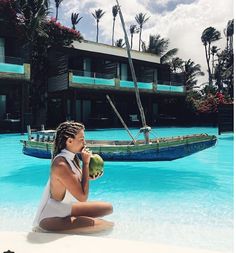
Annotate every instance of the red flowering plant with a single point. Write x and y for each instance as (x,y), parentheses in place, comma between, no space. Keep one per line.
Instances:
(206,101)
(59,35)
(210,103)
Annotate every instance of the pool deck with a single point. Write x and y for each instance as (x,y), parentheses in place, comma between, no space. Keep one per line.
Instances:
(34,242)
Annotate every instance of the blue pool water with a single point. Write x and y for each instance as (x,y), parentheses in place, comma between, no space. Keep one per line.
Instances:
(186,202)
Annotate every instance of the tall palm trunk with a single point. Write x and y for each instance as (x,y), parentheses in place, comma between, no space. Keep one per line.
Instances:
(113,30)
(131,40)
(208,65)
(140,33)
(143,119)
(213,64)
(56,13)
(97,31)
(231,42)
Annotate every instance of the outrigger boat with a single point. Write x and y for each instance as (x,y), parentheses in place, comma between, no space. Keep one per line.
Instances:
(159,149)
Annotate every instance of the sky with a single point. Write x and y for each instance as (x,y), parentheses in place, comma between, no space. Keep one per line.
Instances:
(180,21)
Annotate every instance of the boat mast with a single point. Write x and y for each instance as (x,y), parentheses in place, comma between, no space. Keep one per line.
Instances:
(145,129)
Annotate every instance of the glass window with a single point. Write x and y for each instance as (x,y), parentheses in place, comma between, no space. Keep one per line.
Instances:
(123,71)
(87,67)
(2,50)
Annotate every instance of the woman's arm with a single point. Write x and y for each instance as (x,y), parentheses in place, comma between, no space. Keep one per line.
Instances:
(85,155)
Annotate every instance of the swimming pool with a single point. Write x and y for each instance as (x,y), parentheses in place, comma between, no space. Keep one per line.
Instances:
(187,202)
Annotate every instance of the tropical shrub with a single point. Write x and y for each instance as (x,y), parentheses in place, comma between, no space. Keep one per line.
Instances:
(207,103)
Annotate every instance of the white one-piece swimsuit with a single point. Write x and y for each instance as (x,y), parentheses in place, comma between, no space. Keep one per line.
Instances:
(49,207)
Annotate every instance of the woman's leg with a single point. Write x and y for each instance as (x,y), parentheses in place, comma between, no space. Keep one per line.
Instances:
(91,209)
(75,225)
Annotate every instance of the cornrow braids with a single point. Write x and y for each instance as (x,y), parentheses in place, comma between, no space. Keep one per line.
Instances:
(65,130)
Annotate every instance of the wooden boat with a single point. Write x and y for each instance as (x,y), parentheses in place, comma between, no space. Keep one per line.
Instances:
(160,149)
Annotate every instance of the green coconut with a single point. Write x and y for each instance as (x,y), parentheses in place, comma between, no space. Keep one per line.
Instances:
(96,166)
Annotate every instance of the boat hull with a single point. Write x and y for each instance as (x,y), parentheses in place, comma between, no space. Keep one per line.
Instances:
(159,151)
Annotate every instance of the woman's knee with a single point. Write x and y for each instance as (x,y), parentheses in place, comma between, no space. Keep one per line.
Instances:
(44,224)
(109,208)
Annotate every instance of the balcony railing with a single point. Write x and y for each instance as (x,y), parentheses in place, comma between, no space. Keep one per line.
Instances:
(102,79)
(10,64)
(141,85)
(92,78)
(170,86)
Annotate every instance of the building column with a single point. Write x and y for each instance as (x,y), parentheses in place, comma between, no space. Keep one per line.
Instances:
(26,117)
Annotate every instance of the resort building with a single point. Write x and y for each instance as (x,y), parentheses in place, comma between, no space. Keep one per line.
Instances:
(14,82)
(81,76)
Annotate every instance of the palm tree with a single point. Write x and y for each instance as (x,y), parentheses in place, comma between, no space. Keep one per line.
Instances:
(229,32)
(159,46)
(141,20)
(214,50)
(120,43)
(33,15)
(132,29)
(176,65)
(114,13)
(168,55)
(209,35)
(57,3)
(75,19)
(97,15)
(191,71)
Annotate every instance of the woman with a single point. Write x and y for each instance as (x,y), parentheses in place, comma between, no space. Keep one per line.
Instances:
(64,206)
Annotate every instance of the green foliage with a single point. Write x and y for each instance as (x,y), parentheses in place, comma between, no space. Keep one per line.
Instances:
(221,71)
(8,13)
(157,45)
(120,43)
(115,11)
(75,19)
(132,29)
(209,35)
(98,15)
(141,19)
(32,15)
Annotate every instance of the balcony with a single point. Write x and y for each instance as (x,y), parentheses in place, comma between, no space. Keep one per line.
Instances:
(96,79)
(13,68)
(92,80)
(163,86)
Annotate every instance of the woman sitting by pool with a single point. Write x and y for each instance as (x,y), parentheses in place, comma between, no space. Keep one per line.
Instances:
(64,205)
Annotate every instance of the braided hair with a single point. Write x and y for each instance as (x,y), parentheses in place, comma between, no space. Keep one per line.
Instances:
(65,130)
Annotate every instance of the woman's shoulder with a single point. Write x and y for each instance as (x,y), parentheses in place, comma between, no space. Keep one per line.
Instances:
(59,163)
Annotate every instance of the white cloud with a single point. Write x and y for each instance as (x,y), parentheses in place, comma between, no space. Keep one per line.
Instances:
(183,26)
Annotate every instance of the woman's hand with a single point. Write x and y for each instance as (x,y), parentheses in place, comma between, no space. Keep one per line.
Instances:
(85,155)
(97,176)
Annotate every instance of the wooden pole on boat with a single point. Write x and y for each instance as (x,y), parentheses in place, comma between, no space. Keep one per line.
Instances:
(145,128)
(120,118)
(29,132)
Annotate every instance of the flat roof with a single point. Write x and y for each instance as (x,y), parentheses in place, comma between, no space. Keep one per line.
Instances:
(90,46)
